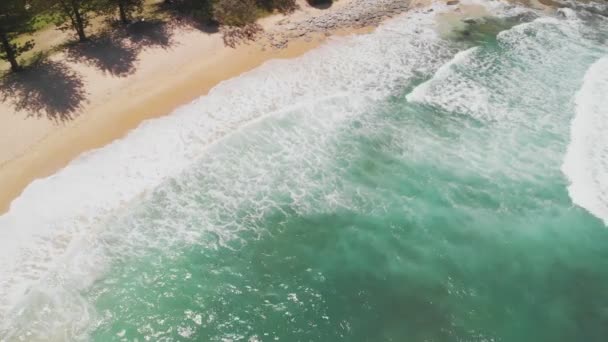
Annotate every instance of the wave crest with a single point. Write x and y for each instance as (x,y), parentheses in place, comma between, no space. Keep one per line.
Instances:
(586,162)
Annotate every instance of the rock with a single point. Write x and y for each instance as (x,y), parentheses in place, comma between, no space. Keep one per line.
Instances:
(359,13)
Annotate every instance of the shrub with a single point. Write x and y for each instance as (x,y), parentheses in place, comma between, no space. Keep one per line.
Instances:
(235,12)
(197,9)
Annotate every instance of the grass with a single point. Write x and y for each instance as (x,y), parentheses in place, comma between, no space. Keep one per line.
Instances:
(42,21)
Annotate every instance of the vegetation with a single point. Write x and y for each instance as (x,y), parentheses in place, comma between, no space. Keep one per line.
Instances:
(42,20)
(73,14)
(125,8)
(18,17)
(110,34)
(235,12)
(201,10)
(15,19)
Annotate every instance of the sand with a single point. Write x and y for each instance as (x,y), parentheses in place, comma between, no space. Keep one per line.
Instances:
(108,102)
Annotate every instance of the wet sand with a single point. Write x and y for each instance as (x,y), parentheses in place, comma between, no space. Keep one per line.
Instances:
(35,145)
(163,78)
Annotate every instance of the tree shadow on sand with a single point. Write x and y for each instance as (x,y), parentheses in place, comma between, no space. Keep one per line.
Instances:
(107,52)
(150,33)
(209,27)
(185,16)
(234,36)
(44,89)
(115,51)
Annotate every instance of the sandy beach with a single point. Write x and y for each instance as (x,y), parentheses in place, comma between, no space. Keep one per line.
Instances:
(371,171)
(37,144)
(95,105)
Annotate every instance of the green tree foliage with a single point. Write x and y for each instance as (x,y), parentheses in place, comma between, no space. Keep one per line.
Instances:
(241,13)
(73,14)
(237,13)
(15,18)
(124,8)
(201,10)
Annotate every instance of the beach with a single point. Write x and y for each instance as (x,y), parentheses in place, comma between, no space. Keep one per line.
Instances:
(375,172)
(185,65)
(161,78)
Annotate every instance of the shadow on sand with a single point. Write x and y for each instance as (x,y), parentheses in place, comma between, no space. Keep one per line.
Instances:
(150,33)
(181,14)
(44,89)
(106,52)
(53,90)
(116,51)
(321,4)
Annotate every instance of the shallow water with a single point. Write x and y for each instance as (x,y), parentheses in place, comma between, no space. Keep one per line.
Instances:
(398,186)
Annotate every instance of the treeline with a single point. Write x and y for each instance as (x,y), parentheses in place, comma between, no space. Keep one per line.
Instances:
(18,16)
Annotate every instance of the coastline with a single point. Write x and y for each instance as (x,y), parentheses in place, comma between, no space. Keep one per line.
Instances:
(165,79)
(106,122)
(35,148)
(400,168)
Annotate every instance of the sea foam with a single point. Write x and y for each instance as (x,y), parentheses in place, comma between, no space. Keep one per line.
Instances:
(586,161)
(52,241)
(466,84)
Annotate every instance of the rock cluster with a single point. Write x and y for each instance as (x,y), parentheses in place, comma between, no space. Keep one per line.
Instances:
(355,14)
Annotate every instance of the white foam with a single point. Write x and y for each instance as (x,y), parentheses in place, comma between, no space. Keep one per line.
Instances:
(592,6)
(52,241)
(586,161)
(521,89)
(466,84)
(423,93)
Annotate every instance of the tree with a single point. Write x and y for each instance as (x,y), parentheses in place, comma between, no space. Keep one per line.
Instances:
(125,8)
(15,18)
(200,10)
(237,13)
(73,14)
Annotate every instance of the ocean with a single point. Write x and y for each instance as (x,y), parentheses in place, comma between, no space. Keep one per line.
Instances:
(416,183)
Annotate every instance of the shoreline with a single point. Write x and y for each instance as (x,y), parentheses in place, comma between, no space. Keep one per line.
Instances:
(101,127)
(167,79)
(37,148)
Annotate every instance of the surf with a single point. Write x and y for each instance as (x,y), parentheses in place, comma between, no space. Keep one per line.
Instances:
(419,155)
(48,258)
(586,161)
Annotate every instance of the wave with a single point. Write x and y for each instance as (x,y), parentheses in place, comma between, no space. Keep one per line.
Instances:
(526,58)
(423,93)
(586,161)
(52,241)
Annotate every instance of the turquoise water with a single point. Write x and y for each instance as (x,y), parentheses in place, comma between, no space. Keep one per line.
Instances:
(426,203)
